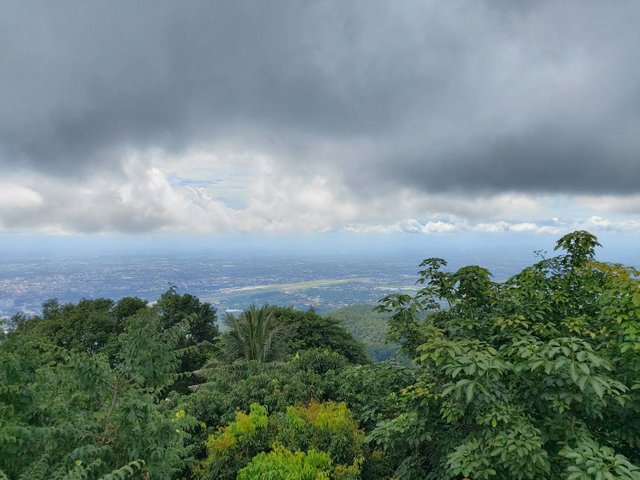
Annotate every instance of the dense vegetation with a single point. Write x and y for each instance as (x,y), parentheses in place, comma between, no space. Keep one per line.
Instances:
(537,377)
(369,325)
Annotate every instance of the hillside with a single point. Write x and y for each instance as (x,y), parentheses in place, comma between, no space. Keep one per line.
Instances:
(369,326)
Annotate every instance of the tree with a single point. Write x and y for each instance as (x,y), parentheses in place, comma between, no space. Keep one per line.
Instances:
(308,330)
(532,378)
(128,306)
(282,464)
(199,339)
(66,413)
(263,444)
(254,335)
(88,326)
(174,308)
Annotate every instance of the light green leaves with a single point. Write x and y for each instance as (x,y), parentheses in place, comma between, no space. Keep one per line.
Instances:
(516,369)
(590,461)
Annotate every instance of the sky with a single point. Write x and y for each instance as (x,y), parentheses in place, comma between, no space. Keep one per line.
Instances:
(290,117)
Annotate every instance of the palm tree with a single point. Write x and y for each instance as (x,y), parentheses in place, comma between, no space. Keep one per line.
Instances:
(254,335)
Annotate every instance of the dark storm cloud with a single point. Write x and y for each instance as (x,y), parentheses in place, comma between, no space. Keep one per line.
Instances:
(544,161)
(528,96)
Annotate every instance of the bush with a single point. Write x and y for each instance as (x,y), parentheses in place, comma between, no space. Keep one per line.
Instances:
(532,378)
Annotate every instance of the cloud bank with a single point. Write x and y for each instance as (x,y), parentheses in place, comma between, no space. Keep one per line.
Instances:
(313,116)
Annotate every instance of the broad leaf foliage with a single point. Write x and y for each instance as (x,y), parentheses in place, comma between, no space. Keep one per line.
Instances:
(532,378)
(537,377)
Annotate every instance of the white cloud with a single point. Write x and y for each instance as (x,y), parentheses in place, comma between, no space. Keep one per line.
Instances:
(18,196)
(495,227)
(597,222)
(214,190)
(461,116)
(523,227)
(620,204)
(440,227)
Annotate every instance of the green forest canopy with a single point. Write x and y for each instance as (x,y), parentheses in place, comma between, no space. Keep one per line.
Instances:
(537,377)
(368,325)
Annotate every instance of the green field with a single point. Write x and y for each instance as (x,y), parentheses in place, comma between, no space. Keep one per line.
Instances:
(283,287)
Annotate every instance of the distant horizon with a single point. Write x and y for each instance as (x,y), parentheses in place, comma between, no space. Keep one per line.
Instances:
(324,271)
(307,243)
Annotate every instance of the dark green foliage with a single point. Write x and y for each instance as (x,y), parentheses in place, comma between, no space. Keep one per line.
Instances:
(254,335)
(270,333)
(175,308)
(307,330)
(86,388)
(529,379)
(369,326)
(371,391)
(319,375)
(72,414)
(94,326)
(87,326)
(537,377)
(144,353)
(311,375)
(202,332)
(127,306)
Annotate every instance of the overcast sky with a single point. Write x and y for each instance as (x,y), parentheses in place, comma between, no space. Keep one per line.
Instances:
(312,116)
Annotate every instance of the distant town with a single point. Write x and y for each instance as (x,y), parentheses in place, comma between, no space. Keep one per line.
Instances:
(231,283)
